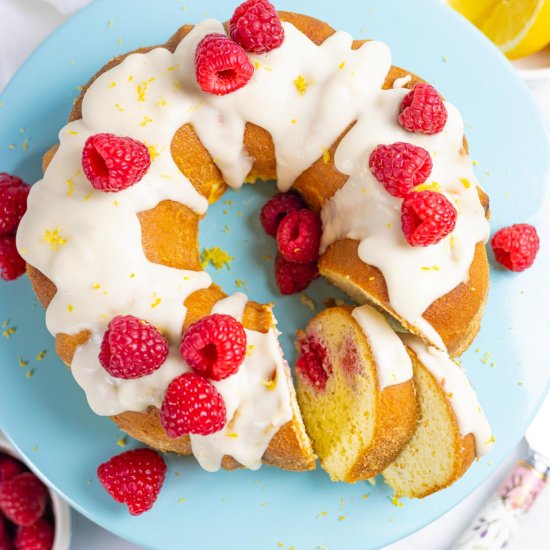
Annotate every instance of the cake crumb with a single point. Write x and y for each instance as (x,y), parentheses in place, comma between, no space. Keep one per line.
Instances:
(307,301)
(217,257)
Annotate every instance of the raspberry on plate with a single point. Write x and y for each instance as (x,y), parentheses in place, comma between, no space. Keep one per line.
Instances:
(192,405)
(12,265)
(214,346)
(276,208)
(132,348)
(516,246)
(222,66)
(256,26)
(400,166)
(23,499)
(427,217)
(38,536)
(13,201)
(9,467)
(422,110)
(292,277)
(299,236)
(114,163)
(134,478)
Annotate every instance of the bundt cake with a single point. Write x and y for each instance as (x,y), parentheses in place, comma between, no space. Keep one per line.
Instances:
(355,390)
(452,429)
(309,113)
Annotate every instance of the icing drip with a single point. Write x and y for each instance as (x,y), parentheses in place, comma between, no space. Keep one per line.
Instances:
(363,210)
(461,395)
(393,364)
(256,398)
(89,243)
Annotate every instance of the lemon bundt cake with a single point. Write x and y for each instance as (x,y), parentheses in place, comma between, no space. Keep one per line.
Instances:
(111,231)
(355,390)
(452,429)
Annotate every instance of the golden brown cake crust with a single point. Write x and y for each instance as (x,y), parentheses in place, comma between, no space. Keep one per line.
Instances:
(288,449)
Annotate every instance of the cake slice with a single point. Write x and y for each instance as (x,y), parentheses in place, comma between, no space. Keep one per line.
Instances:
(355,390)
(452,428)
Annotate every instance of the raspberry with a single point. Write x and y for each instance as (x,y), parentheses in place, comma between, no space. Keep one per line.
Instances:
(132,348)
(5,544)
(256,27)
(38,536)
(516,246)
(427,217)
(192,405)
(276,208)
(12,265)
(292,277)
(221,65)
(422,110)
(9,467)
(114,163)
(13,201)
(214,346)
(312,363)
(134,478)
(400,166)
(299,236)
(23,499)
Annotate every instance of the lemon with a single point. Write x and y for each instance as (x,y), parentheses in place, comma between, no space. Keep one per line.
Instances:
(518,27)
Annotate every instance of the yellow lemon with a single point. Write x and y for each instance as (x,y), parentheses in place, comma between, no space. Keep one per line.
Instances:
(518,27)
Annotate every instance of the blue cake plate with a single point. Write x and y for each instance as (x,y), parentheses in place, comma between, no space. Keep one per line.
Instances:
(44,412)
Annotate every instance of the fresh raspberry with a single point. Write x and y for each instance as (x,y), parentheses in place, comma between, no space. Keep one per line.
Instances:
(38,536)
(427,217)
(422,110)
(256,27)
(23,499)
(313,363)
(12,265)
(6,544)
(9,467)
(114,163)
(221,65)
(214,346)
(134,478)
(299,236)
(292,277)
(400,166)
(516,246)
(132,348)
(192,405)
(13,201)
(276,208)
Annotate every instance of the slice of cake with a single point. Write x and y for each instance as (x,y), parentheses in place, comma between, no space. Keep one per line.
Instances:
(452,428)
(356,392)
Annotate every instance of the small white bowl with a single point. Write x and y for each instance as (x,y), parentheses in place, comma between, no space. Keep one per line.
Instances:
(61,511)
(535,68)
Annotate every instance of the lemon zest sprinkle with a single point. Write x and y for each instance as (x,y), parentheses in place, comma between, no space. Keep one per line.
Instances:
(54,239)
(326,156)
(217,257)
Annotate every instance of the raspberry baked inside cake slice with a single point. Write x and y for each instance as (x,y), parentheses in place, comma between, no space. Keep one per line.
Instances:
(355,390)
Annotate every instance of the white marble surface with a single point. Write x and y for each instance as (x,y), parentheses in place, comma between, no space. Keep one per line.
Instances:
(23,25)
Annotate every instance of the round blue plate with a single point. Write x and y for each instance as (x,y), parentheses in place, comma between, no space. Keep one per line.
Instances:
(45,413)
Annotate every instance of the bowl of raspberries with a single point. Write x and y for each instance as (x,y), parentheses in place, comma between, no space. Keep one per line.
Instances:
(31,516)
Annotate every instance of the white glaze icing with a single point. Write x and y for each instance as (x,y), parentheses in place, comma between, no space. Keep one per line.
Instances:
(363,210)
(393,364)
(401,82)
(89,243)
(460,394)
